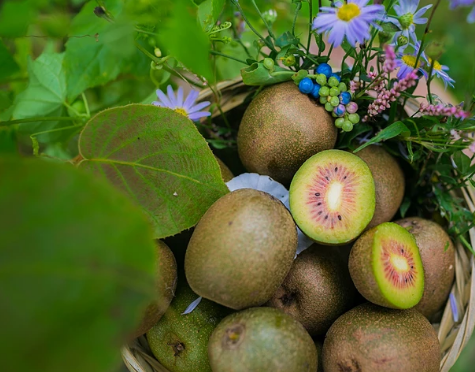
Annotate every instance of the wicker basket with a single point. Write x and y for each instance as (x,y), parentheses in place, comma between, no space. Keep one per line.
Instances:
(453,335)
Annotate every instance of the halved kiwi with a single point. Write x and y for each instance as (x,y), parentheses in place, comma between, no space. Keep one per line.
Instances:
(386,267)
(332,197)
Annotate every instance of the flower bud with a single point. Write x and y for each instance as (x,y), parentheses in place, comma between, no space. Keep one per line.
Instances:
(289,60)
(402,40)
(269,64)
(157,52)
(270,16)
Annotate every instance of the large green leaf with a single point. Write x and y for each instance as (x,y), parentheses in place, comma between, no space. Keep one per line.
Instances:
(76,268)
(9,66)
(45,95)
(158,157)
(108,51)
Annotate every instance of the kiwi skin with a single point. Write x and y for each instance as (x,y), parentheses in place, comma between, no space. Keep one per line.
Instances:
(438,258)
(166,274)
(317,290)
(281,129)
(241,250)
(388,181)
(261,339)
(226,173)
(370,338)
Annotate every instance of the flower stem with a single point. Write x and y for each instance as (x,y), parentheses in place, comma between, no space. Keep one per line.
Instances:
(32,120)
(215,53)
(269,30)
(310,11)
(297,10)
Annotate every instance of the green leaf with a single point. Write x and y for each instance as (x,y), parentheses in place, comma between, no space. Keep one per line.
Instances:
(462,161)
(76,266)
(100,57)
(45,95)
(15,17)
(394,130)
(209,12)
(184,39)
(9,66)
(257,74)
(390,27)
(159,159)
(287,39)
(346,138)
(406,203)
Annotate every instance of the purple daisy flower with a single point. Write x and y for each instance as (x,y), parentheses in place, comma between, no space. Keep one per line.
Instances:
(351,20)
(408,17)
(457,3)
(187,108)
(407,62)
(439,71)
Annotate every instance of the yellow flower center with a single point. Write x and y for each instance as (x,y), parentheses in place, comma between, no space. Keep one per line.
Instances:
(411,61)
(348,11)
(437,65)
(181,111)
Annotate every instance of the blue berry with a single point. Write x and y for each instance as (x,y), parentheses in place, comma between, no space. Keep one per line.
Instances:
(316,91)
(340,110)
(345,97)
(336,76)
(306,85)
(325,69)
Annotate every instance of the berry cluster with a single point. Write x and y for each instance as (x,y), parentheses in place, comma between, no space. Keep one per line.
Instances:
(333,94)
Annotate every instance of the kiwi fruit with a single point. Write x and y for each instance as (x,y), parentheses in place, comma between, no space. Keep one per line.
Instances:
(180,342)
(332,197)
(226,173)
(317,290)
(438,259)
(388,181)
(260,340)
(242,249)
(386,267)
(166,274)
(370,338)
(282,128)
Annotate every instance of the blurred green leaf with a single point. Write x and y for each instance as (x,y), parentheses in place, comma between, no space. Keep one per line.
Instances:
(159,159)
(9,66)
(45,95)
(462,161)
(393,130)
(76,265)
(184,39)
(257,74)
(8,143)
(15,17)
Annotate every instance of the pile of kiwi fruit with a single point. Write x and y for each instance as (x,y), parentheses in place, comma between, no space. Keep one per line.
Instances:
(360,299)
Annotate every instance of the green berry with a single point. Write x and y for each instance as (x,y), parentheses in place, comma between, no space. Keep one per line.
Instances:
(347,126)
(339,122)
(323,100)
(268,63)
(334,115)
(321,79)
(334,92)
(324,91)
(302,73)
(335,101)
(328,106)
(333,81)
(342,87)
(354,118)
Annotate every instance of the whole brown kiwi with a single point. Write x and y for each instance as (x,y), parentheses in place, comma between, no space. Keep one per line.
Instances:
(438,258)
(166,274)
(281,129)
(388,181)
(370,338)
(317,290)
(241,250)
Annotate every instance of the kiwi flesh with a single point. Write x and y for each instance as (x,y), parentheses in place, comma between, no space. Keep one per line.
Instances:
(260,340)
(388,181)
(332,197)
(282,128)
(438,259)
(386,267)
(241,250)
(317,290)
(370,338)
(166,274)
(180,342)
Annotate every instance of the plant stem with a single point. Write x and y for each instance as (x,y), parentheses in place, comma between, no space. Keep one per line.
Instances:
(297,10)
(213,52)
(271,34)
(86,105)
(32,120)
(310,11)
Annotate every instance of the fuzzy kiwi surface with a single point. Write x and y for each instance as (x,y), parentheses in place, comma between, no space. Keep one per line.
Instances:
(226,173)
(166,274)
(438,259)
(317,290)
(180,342)
(242,249)
(370,338)
(388,181)
(281,129)
(386,267)
(332,197)
(261,340)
